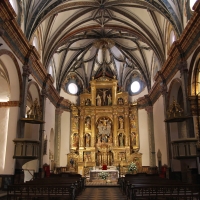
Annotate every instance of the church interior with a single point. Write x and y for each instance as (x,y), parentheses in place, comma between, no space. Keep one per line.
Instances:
(92,83)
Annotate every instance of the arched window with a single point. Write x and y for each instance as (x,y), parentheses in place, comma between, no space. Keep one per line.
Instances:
(72,88)
(192,2)
(14,5)
(35,43)
(135,86)
(51,71)
(172,37)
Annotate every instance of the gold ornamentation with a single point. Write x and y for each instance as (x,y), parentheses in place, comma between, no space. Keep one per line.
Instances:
(174,110)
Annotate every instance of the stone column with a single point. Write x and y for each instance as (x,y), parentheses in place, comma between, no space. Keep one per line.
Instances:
(42,127)
(182,66)
(152,155)
(163,90)
(58,115)
(25,74)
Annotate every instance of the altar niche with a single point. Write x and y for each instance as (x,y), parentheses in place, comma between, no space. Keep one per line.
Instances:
(104,97)
(104,134)
(104,127)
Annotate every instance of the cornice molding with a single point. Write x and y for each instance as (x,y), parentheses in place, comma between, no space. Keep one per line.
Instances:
(10,104)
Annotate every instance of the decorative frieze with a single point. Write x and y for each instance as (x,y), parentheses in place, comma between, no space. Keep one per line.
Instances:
(10,104)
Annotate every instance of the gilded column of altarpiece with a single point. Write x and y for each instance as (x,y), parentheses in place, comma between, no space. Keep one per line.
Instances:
(104,128)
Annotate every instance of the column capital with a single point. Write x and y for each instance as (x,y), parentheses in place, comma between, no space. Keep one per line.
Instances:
(26,70)
(45,92)
(163,88)
(182,66)
(59,111)
(149,109)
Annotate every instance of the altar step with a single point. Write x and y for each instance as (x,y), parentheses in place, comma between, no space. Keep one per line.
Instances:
(102,193)
(101,184)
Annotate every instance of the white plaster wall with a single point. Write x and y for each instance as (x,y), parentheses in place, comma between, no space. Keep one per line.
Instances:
(12,132)
(144,137)
(72,98)
(65,138)
(3,136)
(49,124)
(159,130)
(135,97)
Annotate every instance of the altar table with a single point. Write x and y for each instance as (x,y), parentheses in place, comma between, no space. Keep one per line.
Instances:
(113,174)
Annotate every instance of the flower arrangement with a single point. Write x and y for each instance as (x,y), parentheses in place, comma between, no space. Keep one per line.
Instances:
(103,175)
(132,167)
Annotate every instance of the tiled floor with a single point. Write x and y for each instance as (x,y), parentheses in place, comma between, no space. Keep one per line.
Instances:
(102,193)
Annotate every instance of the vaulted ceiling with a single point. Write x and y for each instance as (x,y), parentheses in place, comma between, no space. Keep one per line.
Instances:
(91,38)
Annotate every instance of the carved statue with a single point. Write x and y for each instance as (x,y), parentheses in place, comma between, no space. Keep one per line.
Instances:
(87,102)
(132,119)
(98,100)
(133,138)
(75,122)
(104,96)
(87,140)
(104,126)
(35,110)
(121,123)
(109,100)
(75,141)
(88,123)
(121,140)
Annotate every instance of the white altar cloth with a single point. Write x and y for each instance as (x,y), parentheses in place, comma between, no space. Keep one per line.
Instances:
(113,174)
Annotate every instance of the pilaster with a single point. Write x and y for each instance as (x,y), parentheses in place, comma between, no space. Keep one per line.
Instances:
(115,125)
(58,114)
(44,95)
(93,140)
(152,155)
(26,72)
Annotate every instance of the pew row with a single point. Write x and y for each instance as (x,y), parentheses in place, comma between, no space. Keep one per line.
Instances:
(65,187)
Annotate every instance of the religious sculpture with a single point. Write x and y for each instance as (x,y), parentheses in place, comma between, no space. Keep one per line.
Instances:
(120,101)
(133,138)
(76,122)
(75,141)
(87,102)
(87,140)
(98,100)
(121,123)
(132,120)
(121,140)
(35,111)
(88,123)
(109,100)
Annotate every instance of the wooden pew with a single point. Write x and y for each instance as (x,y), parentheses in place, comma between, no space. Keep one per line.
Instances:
(163,192)
(59,187)
(154,187)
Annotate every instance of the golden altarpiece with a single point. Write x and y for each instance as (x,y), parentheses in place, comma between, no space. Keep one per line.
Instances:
(104,128)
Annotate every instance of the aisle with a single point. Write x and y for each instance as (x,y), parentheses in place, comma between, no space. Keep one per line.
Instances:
(102,193)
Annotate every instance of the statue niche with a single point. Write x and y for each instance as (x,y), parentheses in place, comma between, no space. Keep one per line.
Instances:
(104,97)
(88,123)
(121,139)
(104,130)
(87,140)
